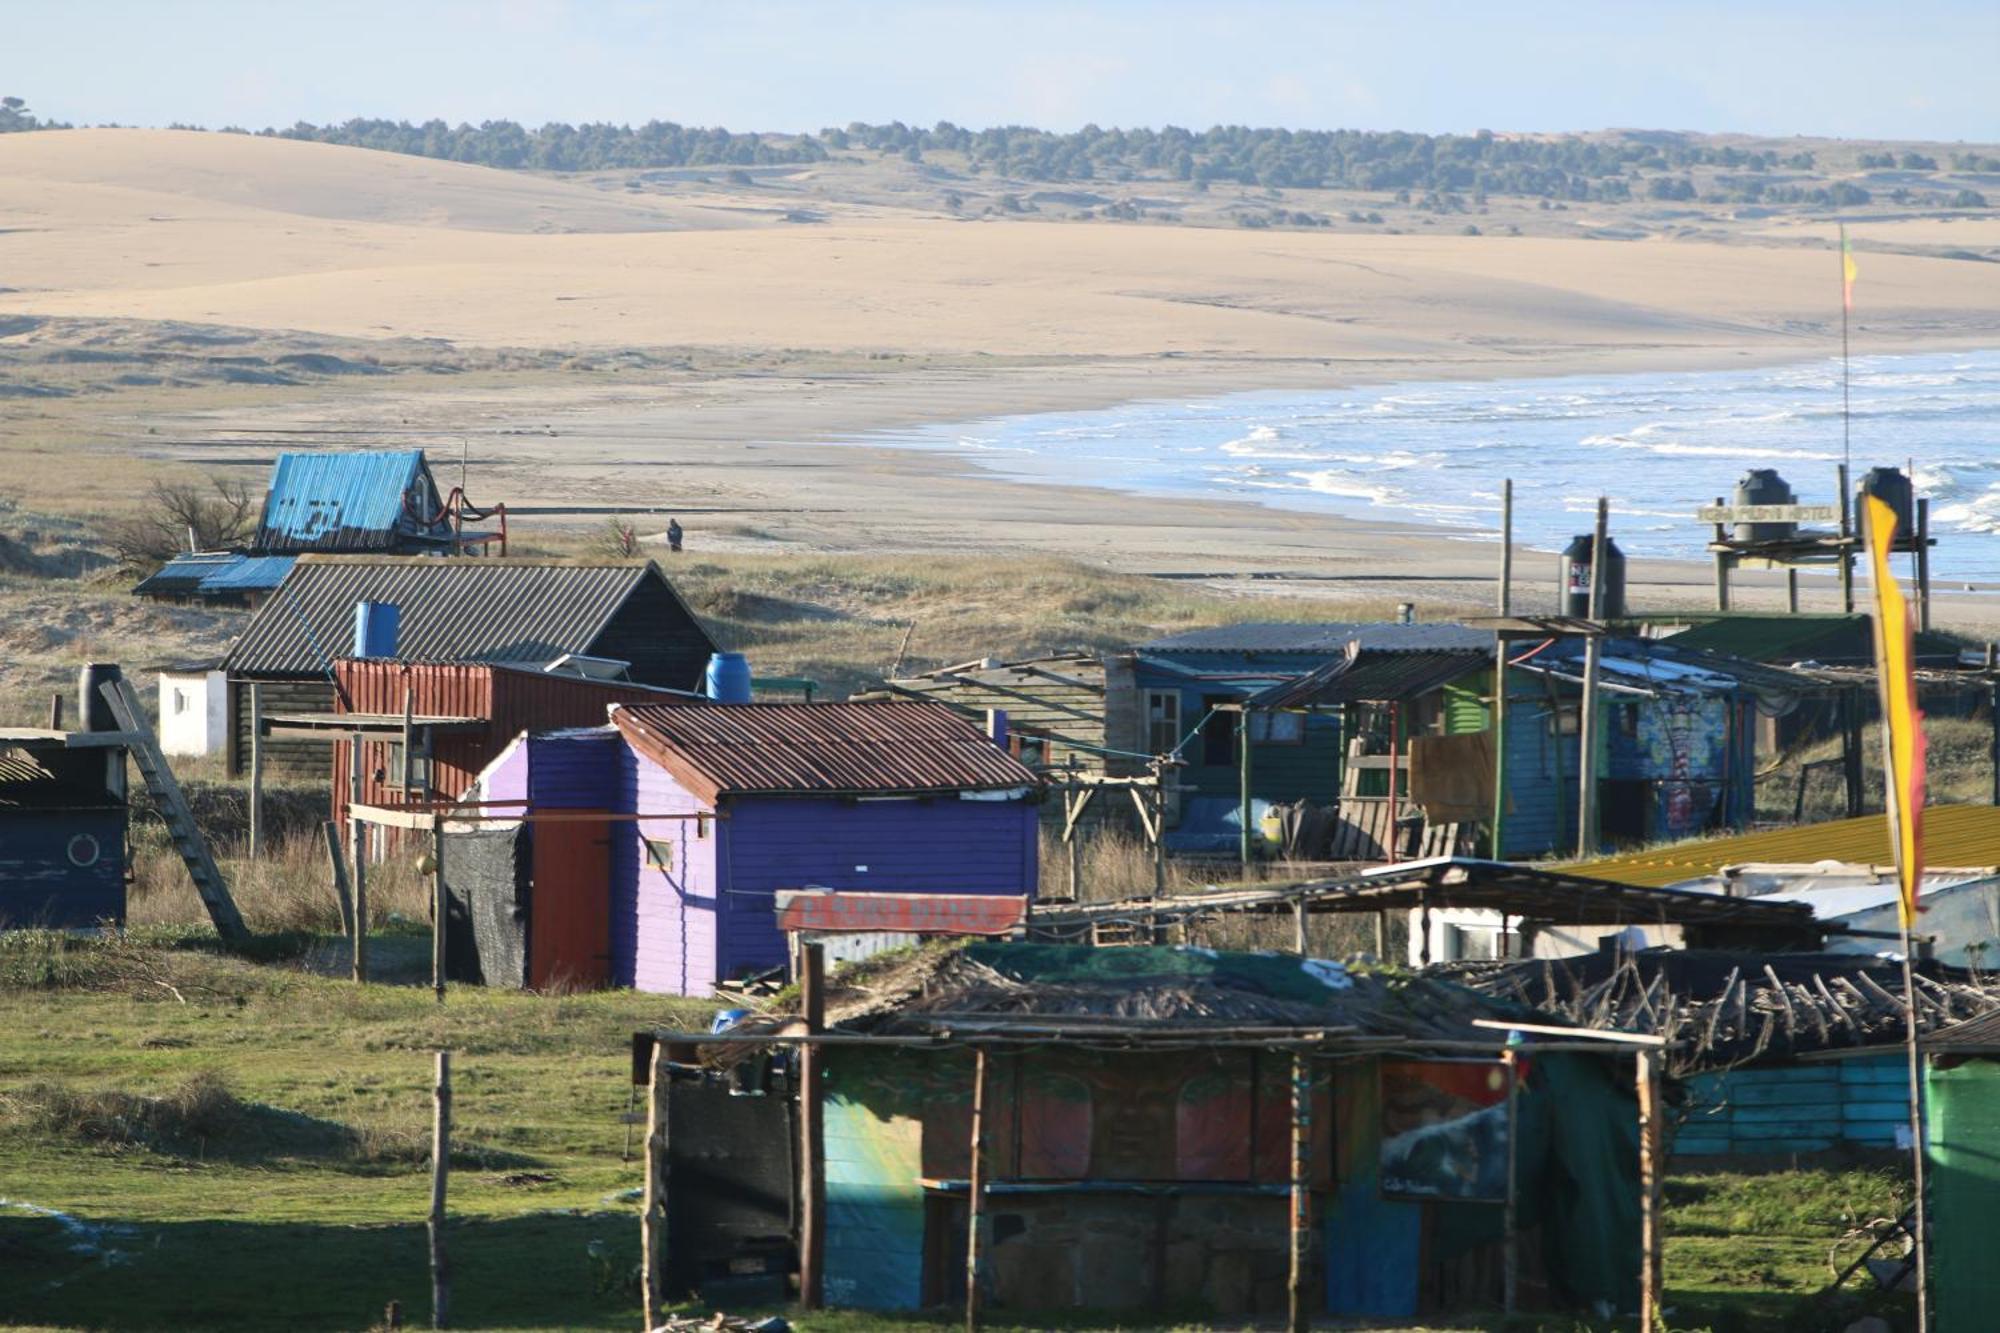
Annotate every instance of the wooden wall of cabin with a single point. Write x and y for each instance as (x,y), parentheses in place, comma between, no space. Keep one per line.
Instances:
(295,758)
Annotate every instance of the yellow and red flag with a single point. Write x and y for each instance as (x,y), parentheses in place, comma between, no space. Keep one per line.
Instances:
(1848,271)
(1902,722)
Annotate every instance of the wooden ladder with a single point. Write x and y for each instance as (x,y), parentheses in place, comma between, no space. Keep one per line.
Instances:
(166,790)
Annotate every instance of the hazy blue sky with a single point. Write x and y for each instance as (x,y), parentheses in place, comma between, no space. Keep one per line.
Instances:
(1917,69)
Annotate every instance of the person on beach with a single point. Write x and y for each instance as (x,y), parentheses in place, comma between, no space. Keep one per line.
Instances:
(673,534)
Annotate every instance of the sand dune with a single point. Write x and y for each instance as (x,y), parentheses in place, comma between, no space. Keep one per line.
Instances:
(275,234)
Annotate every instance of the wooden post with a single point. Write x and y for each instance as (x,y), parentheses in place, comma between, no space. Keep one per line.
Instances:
(1297,1283)
(1299,927)
(338,858)
(1507,546)
(1424,912)
(440,901)
(812,1135)
(357,838)
(1160,833)
(1651,1159)
(1586,720)
(1073,843)
(1395,797)
(1510,1225)
(256,770)
(1792,589)
(56,711)
(1923,563)
(409,735)
(1850,750)
(1244,803)
(1846,532)
(653,1213)
(1497,844)
(1722,560)
(1382,937)
(440,1174)
(1993,716)
(975,1196)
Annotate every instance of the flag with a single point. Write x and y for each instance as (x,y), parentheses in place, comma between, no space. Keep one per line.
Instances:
(1848,271)
(1902,723)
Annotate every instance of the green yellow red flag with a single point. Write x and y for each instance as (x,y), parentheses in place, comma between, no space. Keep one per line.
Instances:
(1902,723)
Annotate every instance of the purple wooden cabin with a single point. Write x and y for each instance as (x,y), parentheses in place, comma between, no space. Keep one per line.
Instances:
(738,801)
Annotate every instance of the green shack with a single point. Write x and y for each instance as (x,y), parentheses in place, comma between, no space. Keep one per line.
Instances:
(1962,1146)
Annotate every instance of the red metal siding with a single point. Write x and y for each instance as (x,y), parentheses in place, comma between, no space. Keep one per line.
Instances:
(510,701)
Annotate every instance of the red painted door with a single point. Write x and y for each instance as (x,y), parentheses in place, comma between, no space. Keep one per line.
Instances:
(569,927)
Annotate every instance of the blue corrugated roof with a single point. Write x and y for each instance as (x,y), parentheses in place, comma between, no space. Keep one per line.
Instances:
(250,573)
(349,502)
(224,574)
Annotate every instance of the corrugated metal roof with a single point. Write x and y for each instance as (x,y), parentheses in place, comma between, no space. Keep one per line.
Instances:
(354,501)
(1657,666)
(1831,639)
(1283,637)
(822,749)
(1959,836)
(1372,676)
(216,573)
(1975,1036)
(457,609)
(250,573)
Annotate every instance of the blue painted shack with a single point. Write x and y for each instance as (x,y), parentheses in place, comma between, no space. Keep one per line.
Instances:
(62,833)
(1191,685)
(371,500)
(714,808)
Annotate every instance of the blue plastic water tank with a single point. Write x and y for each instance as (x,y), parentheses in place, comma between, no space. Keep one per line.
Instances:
(728,679)
(375,626)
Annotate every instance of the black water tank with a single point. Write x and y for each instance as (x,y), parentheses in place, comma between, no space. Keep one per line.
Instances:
(1575,579)
(93,713)
(1763,486)
(1889,485)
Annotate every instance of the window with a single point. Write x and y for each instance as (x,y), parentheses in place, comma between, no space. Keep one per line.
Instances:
(1278,728)
(392,769)
(1163,720)
(180,701)
(660,854)
(1218,732)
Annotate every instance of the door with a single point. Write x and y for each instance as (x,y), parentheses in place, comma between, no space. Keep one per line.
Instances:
(569,924)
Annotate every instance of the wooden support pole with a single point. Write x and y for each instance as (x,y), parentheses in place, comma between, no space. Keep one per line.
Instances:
(1846,532)
(1073,843)
(1160,834)
(1792,589)
(1586,721)
(1243,801)
(975,1199)
(812,1135)
(341,894)
(1850,751)
(1298,1278)
(1497,844)
(440,908)
(1923,563)
(1652,1158)
(256,770)
(653,1212)
(440,1175)
(409,736)
(56,711)
(1382,937)
(1506,607)
(1510,1225)
(1722,560)
(1993,715)
(1395,796)
(357,838)
(1299,928)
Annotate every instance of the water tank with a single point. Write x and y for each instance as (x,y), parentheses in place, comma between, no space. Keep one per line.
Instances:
(1763,486)
(375,626)
(728,679)
(1574,579)
(93,713)
(1889,485)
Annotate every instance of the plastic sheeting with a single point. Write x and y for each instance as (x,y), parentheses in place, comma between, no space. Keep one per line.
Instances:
(487,879)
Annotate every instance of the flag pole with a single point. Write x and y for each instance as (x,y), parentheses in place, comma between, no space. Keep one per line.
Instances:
(1903,766)
(1846,304)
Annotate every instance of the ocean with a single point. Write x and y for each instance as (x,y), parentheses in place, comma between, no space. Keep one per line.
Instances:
(1435,453)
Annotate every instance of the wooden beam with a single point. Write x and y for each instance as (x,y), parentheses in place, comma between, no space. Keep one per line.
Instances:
(1586,722)
(358,840)
(975,1208)
(1652,1161)
(1297,1285)
(812,1133)
(256,770)
(440,1176)
(653,1211)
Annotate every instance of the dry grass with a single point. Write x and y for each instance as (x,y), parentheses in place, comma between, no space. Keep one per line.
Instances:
(1958,768)
(288,889)
(201,1108)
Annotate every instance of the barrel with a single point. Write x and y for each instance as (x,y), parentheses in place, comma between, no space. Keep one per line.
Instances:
(1891,487)
(375,627)
(1763,486)
(1574,579)
(728,678)
(93,712)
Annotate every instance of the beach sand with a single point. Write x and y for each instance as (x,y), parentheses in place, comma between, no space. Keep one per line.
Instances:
(801,335)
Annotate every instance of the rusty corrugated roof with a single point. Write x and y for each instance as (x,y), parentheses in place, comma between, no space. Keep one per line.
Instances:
(1954,835)
(823,749)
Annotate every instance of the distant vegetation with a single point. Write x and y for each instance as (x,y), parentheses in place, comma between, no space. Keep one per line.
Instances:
(1441,171)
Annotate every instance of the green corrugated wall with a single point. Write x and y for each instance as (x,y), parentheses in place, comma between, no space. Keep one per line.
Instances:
(1963,1130)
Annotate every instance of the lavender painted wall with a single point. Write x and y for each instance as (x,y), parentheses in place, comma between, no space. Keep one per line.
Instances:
(711,916)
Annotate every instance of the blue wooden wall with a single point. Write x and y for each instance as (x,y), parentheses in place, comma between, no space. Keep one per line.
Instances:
(41,880)
(1795,1108)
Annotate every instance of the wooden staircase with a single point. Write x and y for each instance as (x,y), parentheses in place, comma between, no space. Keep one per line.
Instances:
(172,802)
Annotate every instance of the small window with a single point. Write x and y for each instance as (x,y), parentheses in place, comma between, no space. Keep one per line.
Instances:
(1278,728)
(392,771)
(1628,720)
(180,700)
(660,855)
(1163,721)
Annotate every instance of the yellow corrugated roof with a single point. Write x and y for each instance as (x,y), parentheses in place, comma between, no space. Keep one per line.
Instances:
(1954,835)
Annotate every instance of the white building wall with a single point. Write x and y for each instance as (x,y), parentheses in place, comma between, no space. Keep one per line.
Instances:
(194,712)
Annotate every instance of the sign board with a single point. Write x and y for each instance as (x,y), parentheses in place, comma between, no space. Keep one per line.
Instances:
(1768,514)
(826,912)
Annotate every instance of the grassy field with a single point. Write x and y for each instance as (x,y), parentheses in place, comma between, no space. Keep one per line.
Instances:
(195,1141)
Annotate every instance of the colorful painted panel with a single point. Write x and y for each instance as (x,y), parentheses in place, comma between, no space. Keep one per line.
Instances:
(1444,1129)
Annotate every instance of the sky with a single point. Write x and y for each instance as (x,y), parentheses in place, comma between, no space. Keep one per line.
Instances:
(1920,69)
